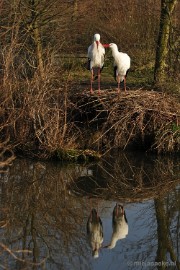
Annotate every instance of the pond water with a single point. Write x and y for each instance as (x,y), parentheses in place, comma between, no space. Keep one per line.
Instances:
(45,207)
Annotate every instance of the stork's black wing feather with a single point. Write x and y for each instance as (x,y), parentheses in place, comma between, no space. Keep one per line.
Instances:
(127,73)
(87,64)
(115,68)
(125,217)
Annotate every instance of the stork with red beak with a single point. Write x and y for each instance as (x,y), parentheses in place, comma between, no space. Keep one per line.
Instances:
(96,53)
(122,63)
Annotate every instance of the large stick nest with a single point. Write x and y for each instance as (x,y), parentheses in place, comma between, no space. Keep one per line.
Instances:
(140,119)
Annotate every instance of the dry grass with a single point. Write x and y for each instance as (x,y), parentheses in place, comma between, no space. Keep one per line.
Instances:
(34,115)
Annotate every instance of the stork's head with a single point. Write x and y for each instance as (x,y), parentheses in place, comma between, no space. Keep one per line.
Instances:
(113,46)
(95,253)
(97,37)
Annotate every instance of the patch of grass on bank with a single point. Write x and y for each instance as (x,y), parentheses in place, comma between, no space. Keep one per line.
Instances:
(75,155)
(139,76)
(77,73)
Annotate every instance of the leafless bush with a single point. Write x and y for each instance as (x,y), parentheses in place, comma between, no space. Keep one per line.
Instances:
(39,117)
(34,108)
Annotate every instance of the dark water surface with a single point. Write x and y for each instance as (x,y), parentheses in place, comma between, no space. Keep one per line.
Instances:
(45,208)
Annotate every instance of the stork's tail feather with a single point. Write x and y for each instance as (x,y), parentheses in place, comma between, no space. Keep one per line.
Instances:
(115,74)
(125,217)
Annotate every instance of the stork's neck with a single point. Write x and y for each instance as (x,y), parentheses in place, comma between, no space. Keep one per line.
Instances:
(113,243)
(114,52)
(97,44)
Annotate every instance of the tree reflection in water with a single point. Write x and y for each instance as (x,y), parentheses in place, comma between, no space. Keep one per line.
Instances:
(45,207)
(40,216)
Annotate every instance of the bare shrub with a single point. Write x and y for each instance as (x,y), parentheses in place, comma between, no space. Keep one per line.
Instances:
(34,101)
(39,109)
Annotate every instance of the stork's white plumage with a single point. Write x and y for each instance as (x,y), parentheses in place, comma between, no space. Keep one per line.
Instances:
(122,64)
(119,224)
(96,53)
(95,232)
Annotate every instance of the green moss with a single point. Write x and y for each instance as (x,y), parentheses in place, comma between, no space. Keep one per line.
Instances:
(74,155)
(175,127)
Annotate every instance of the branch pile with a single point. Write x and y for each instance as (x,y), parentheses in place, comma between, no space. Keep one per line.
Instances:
(135,119)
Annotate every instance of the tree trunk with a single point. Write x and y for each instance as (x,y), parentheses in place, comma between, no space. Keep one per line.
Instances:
(39,53)
(75,11)
(37,38)
(165,245)
(167,8)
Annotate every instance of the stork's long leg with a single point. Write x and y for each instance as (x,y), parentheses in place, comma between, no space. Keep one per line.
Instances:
(99,79)
(125,83)
(92,75)
(118,81)
(116,210)
(97,208)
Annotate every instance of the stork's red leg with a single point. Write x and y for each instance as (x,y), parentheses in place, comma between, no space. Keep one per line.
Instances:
(92,75)
(118,80)
(97,208)
(99,79)
(116,210)
(91,208)
(125,83)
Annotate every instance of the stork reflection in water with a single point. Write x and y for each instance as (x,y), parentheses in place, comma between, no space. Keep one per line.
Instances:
(95,232)
(119,224)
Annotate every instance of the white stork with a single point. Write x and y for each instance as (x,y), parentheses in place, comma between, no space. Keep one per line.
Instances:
(95,232)
(122,63)
(96,53)
(119,224)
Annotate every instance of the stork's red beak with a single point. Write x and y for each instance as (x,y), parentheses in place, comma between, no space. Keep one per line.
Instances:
(97,42)
(106,45)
